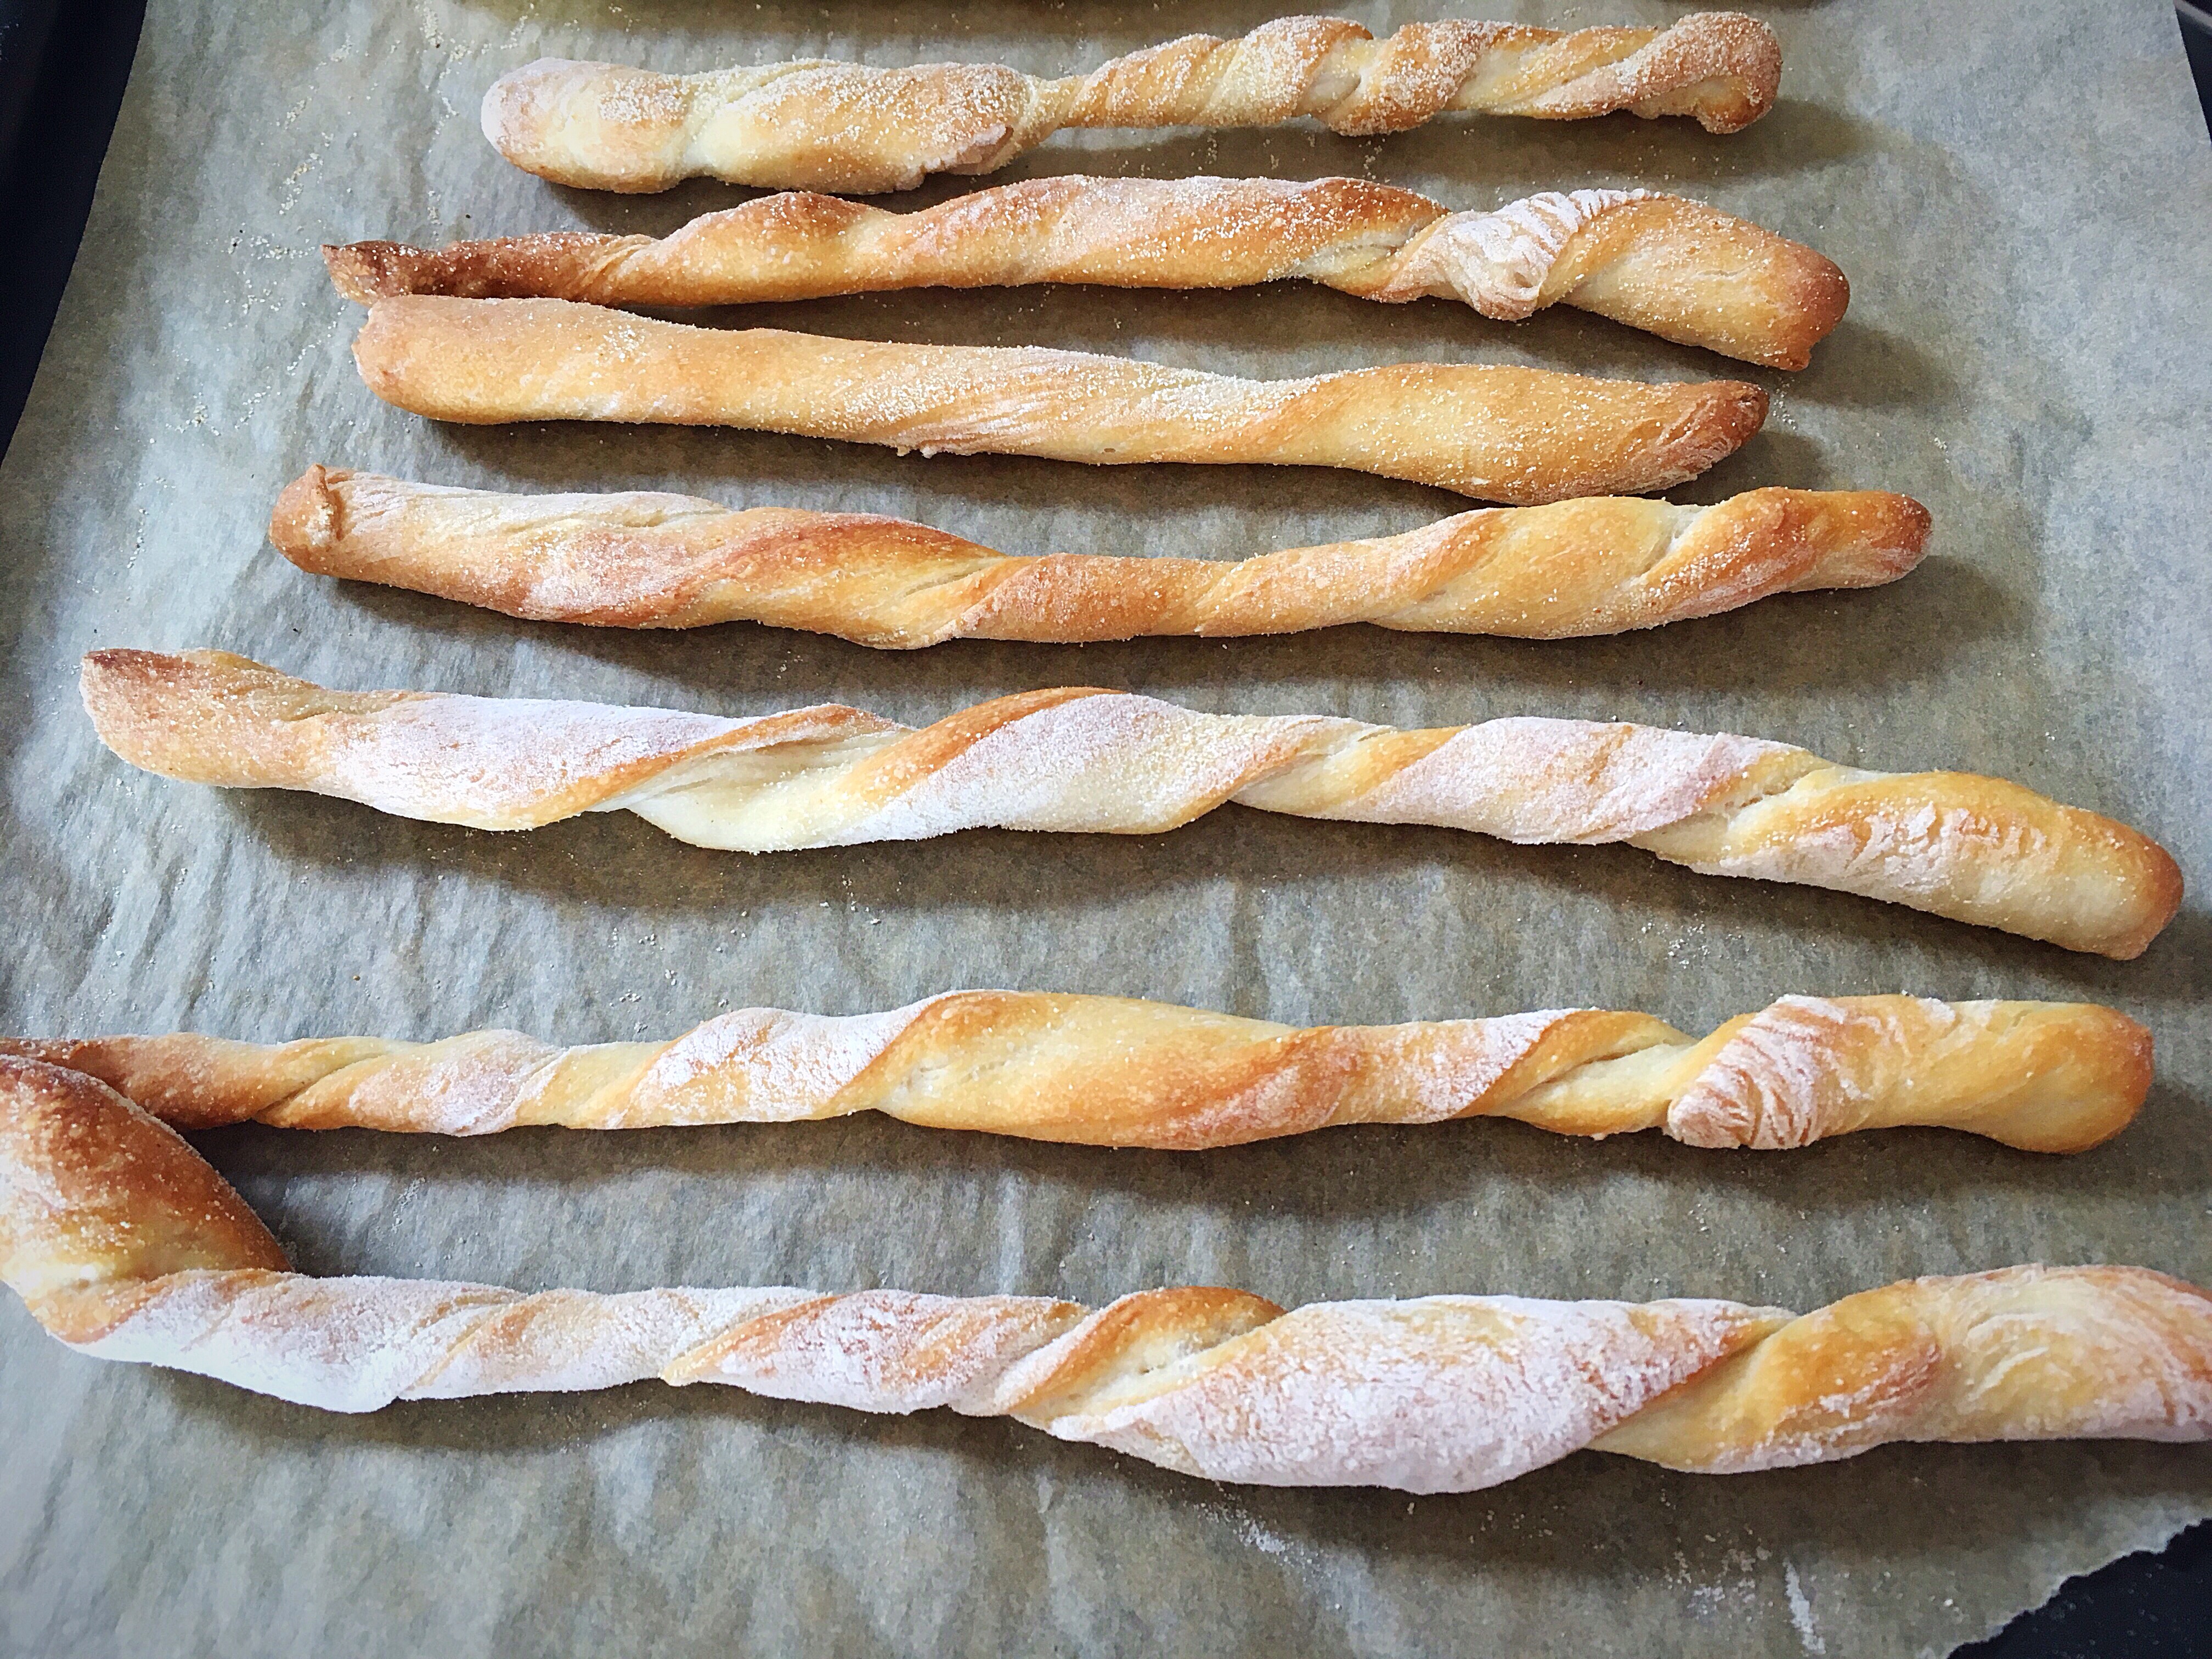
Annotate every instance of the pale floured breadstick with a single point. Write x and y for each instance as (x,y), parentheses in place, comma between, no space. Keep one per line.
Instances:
(126,1245)
(814,124)
(1111,1072)
(1973,849)
(1679,269)
(1522,435)
(1597,565)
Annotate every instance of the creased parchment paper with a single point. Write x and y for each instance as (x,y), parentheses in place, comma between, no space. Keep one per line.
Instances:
(2022,197)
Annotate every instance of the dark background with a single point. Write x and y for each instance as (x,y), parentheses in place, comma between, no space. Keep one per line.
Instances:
(62,72)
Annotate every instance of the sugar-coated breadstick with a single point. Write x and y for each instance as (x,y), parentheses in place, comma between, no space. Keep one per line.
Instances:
(813,125)
(1112,1072)
(1676,268)
(1078,759)
(124,1244)
(1597,565)
(1520,435)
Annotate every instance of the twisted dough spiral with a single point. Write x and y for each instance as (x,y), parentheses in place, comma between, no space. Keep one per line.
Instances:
(1676,268)
(821,126)
(1077,758)
(1522,435)
(1599,565)
(1108,1070)
(125,1245)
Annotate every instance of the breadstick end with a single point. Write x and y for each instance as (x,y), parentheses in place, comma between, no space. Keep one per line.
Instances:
(213,716)
(1915,523)
(1878,536)
(93,1190)
(1810,294)
(1742,411)
(1724,418)
(2043,1077)
(1853,538)
(2160,893)
(514,110)
(595,126)
(304,523)
(1744,75)
(115,687)
(123,692)
(426,353)
(2127,1063)
(365,272)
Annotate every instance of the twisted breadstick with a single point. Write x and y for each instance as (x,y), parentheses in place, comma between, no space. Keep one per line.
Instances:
(821,126)
(1972,848)
(1599,565)
(1678,269)
(125,1245)
(1108,1071)
(1522,435)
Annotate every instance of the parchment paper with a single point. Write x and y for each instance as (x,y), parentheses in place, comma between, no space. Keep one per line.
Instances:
(2022,197)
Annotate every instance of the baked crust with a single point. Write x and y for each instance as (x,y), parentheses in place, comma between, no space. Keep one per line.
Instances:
(1595,565)
(1078,758)
(1521,435)
(1437,1394)
(814,124)
(1111,1072)
(1678,269)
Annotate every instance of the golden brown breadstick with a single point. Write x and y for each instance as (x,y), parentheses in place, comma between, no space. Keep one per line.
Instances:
(1679,269)
(1522,435)
(1110,1072)
(814,124)
(1077,758)
(126,1245)
(1599,565)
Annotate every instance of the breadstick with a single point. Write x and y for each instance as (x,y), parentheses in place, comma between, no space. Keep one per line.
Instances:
(1522,435)
(1679,269)
(124,1244)
(1109,1072)
(814,124)
(1077,758)
(1599,565)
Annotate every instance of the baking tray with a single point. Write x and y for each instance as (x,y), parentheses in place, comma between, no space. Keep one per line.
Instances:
(2013,357)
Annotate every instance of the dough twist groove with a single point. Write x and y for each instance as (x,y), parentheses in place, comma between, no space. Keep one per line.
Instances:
(1675,268)
(1521,435)
(126,1245)
(1598,565)
(1078,759)
(1113,1072)
(814,125)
